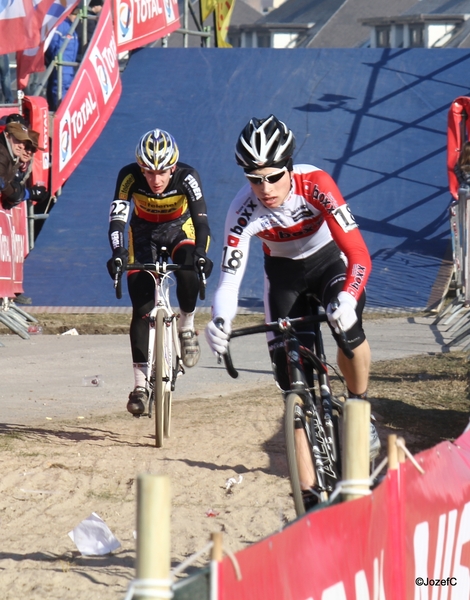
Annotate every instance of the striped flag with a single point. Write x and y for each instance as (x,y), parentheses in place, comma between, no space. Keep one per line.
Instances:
(31,60)
(20,23)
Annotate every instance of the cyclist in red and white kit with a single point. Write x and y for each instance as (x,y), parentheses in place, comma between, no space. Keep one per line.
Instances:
(312,245)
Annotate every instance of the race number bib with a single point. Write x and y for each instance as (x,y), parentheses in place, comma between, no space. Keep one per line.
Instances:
(119,210)
(344,218)
(231,259)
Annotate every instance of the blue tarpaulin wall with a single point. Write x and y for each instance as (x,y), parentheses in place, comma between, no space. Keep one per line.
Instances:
(374,119)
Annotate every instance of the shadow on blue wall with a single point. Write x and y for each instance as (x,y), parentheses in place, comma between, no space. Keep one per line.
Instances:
(374,119)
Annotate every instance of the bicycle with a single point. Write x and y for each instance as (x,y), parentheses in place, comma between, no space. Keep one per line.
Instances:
(313,413)
(164,350)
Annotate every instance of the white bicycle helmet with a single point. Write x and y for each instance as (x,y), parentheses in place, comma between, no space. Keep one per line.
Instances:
(157,150)
(265,143)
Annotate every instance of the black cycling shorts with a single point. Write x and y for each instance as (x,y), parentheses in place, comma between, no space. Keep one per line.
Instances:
(321,275)
(146,238)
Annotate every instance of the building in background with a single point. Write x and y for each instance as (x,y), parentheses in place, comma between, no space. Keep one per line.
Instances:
(314,24)
(427,24)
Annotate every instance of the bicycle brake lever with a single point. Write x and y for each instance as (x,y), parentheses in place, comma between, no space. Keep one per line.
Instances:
(118,264)
(227,358)
(117,278)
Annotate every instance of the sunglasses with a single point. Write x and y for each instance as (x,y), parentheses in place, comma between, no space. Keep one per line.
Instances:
(271,178)
(30,148)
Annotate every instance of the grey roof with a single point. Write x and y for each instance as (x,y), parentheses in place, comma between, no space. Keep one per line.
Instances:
(336,22)
(425,10)
(345,30)
(306,12)
(438,7)
(243,13)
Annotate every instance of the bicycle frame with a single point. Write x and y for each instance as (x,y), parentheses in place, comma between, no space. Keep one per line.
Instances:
(320,424)
(321,431)
(164,362)
(162,301)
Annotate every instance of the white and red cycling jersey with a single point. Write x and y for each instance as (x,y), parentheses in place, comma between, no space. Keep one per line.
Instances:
(313,214)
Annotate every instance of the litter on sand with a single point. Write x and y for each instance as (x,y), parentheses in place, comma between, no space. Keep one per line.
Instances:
(232,481)
(70,332)
(93,537)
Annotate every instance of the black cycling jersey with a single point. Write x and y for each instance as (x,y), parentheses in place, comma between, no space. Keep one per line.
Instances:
(182,197)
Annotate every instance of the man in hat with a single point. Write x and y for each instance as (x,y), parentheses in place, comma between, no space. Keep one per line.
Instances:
(18,144)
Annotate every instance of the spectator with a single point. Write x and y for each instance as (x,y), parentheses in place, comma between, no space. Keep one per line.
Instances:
(18,143)
(94,9)
(25,162)
(5,79)
(69,55)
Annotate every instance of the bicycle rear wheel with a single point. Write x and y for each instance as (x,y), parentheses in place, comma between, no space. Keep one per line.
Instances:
(162,389)
(300,459)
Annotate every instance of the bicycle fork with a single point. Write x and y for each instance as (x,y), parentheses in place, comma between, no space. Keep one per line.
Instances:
(324,448)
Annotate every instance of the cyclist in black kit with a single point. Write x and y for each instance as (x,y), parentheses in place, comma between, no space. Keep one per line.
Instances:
(169,210)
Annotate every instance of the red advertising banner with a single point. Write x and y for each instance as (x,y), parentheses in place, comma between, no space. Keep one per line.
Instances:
(37,112)
(437,523)
(20,24)
(139,22)
(13,249)
(89,102)
(458,132)
(409,539)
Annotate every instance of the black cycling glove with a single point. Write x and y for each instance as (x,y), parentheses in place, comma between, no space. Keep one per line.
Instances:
(207,264)
(113,268)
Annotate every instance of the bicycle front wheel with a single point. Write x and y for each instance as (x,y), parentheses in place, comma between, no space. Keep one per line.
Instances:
(162,390)
(173,343)
(300,460)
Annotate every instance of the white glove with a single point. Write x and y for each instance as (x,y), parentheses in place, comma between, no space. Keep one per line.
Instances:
(344,317)
(218,338)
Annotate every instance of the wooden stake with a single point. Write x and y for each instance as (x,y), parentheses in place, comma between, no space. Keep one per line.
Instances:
(392,452)
(153,533)
(356,441)
(217,551)
(217,555)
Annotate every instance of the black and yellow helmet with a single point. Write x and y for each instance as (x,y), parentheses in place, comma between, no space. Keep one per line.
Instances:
(157,150)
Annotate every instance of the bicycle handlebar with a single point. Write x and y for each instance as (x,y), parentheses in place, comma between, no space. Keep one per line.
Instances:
(279,326)
(161,268)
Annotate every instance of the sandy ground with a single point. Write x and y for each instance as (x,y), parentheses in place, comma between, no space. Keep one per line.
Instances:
(54,477)
(58,472)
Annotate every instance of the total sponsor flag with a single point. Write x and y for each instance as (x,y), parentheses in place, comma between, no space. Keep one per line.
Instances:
(31,60)
(20,23)
(206,7)
(223,14)
(88,103)
(140,22)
